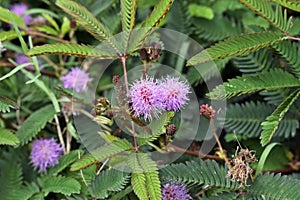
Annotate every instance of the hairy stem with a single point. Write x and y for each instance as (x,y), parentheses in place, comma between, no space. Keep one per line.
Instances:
(123,60)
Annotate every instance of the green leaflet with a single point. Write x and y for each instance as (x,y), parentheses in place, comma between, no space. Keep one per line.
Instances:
(115,147)
(9,35)
(236,46)
(291,52)
(264,9)
(34,123)
(271,124)
(7,16)
(291,4)
(145,179)
(274,187)
(6,104)
(253,114)
(267,80)
(196,173)
(59,184)
(128,11)
(153,20)
(85,18)
(157,127)
(103,184)
(8,138)
(82,50)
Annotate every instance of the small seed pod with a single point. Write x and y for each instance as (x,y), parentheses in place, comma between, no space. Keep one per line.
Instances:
(171,129)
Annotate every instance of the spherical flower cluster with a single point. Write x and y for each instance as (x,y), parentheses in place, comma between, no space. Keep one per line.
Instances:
(76,79)
(20,9)
(175,93)
(150,98)
(45,153)
(175,191)
(146,98)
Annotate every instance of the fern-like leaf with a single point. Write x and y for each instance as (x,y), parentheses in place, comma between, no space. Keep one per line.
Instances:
(199,173)
(34,123)
(65,161)
(157,128)
(6,104)
(153,20)
(113,148)
(291,4)
(246,119)
(272,186)
(145,179)
(237,46)
(10,179)
(291,52)
(85,19)
(7,16)
(271,124)
(226,27)
(103,183)
(128,9)
(73,50)
(8,138)
(59,184)
(264,9)
(269,80)
(255,62)
(9,35)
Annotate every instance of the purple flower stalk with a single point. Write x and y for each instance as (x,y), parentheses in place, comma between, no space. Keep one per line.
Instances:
(20,9)
(45,153)
(76,79)
(146,98)
(174,93)
(175,191)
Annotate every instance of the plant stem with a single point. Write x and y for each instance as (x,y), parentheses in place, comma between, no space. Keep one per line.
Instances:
(61,139)
(293,38)
(123,60)
(223,153)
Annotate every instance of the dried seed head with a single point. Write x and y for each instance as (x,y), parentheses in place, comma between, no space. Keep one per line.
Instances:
(171,129)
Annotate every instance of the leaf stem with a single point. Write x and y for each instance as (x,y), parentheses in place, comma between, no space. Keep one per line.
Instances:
(123,60)
(222,151)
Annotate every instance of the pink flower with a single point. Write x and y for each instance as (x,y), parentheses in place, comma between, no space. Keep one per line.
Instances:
(20,9)
(45,153)
(76,79)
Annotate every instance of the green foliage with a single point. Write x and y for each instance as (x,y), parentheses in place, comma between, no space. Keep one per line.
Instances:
(10,17)
(291,4)
(152,21)
(264,9)
(102,185)
(291,52)
(256,62)
(6,104)
(8,138)
(72,50)
(273,187)
(59,184)
(157,127)
(65,161)
(267,80)
(271,124)
(86,19)
(9,35)
(115,147)
(144,179)
(128,10)
(237,46)
(254,113)
(199,173)
(35,123)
